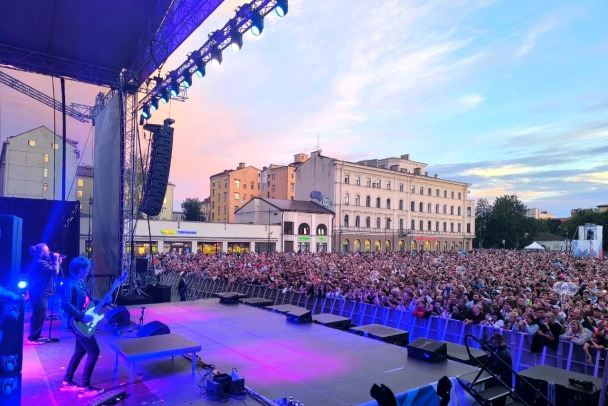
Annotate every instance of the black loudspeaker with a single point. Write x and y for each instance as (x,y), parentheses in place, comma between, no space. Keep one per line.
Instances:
(427,350)
(141,265)
(154,328)
(119,317)
(10,389)
(299,316)
(161,294)
(11,337)
(11,228)
(158,173)
(576,395)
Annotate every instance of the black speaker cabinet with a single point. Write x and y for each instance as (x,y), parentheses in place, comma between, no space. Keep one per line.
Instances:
(154,328)
(141,265)
(527,392)
(162,294)
(299,316)
(118,317)
(11,228)
(11,336)
(573,395)
(10,389)
(158,173)
(427,350)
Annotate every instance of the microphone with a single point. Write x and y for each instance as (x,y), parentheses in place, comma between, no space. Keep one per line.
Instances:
(587,385)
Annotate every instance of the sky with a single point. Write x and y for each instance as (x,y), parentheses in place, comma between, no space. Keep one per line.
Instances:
(510,96)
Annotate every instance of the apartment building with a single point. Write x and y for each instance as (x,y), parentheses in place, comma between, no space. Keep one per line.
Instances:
(231,189)
(279,181)
(389,204)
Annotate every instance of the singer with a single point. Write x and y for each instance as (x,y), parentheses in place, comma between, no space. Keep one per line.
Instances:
(41,271)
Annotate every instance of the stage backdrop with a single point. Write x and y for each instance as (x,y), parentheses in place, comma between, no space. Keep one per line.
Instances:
(107,225)
(53,222)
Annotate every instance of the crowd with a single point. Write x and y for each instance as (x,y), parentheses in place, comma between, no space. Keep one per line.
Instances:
(505,289)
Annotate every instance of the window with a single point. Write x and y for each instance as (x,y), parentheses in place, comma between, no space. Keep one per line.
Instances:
(368,201)
(288,227)
(321,229)
(421,190)
(445,227)
(413,225)
(252,185)
(45,187)
(437,208)
(445,193)
(400,224)
(468,228)
(452,227)
(388,185)
(357,200)
(413,206)
(46,158)
(45,173)
(379,184)
(304,229)
(459,210)
(31,143)
(378,222)
(429,208)
(273,187)
(413,189)
(346,220)
(55,146)
(401,204)
(369,182)
(388,203)
(437,192)
(437,226)
(388,223)
(469,211)
(445,209)
(421,225)
(237,183)
(452,194)
(368,222)
(80,182)
(429,226)
(377,202)
(226,184)
(346,199)
(459,195)
(347,179)
(401,187)
(244,185)
(430,192)
(421,206)
(358,180)
(292,187)
(452,210)
(357,221)
(79,194)
(236,196)
(459,227)
(225,196)
(244,195)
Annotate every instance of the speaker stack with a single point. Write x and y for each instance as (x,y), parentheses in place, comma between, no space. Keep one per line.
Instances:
(11,351)
(11,229)
(158,173)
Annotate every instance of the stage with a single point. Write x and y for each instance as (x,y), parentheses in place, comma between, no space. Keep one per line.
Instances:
(314,364)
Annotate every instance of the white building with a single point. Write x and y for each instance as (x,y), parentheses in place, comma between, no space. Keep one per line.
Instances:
(31,166)
(389,204)
(305,226)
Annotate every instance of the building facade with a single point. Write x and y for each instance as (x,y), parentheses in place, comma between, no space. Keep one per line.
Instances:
(279,181)
(31,166)
(389,204)
(305,226)
(538,214)
(231,189)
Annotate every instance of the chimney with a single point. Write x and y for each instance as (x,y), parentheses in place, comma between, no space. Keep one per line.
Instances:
(406,157)
(435,176)
(426,174)
(416,171)
(241,165)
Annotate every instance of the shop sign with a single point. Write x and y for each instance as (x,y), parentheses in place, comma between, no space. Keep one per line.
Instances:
(178,232)
(304,238)
(322,239)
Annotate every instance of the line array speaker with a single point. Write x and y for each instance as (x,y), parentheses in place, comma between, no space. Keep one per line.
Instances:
(11,228)
(158,173)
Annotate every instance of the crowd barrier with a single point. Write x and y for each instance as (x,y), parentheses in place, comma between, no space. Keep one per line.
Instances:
(568,356)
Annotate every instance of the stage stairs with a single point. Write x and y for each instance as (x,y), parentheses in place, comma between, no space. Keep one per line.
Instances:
(487,388)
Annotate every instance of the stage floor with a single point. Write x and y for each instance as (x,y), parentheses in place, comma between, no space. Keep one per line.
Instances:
(317,365)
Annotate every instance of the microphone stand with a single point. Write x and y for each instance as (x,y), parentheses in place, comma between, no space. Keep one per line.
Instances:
(50,338)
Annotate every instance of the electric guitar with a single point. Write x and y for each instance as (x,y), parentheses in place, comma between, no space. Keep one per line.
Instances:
(88,329)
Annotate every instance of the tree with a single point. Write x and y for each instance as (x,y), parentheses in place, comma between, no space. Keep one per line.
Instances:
(192,209)
(483,210)
(507,221)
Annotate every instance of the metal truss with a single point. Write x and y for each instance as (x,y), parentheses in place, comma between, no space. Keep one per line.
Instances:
(217,42)
(165,31)
(79,112)
(45,64)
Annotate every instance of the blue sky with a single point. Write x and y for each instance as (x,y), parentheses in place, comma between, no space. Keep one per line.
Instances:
(510,96)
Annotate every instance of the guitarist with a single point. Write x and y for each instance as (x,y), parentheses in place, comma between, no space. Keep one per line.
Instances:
(74,299)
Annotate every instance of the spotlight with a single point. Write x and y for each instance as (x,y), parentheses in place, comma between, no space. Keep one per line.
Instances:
(236,39)
(154,104)
(281,8)
(200,68)
(145,111)
(164,96)
(216,56)
(174,88)
(22,284)
(187,82)
(257,23)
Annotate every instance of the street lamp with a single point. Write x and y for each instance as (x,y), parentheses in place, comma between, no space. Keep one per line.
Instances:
(268,244)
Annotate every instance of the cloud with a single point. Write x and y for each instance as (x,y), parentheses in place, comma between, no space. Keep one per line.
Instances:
(471,99)
(497,171)
(531,38)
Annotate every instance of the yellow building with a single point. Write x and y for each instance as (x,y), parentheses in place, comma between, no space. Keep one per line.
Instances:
(279,181)
(231,189)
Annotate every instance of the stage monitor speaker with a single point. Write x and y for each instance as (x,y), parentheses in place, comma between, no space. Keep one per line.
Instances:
(427,350)
(11,229)
(119,317)
(154,328)
(299,316)
(141,265)
(161,294)
(11,336)
(572,395)
(526,390)
(158,173)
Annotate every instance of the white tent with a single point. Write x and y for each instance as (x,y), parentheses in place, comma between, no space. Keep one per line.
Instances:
(534,246)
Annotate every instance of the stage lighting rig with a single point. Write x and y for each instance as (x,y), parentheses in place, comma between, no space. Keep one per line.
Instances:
(154,104)
(249,17)
(145,111)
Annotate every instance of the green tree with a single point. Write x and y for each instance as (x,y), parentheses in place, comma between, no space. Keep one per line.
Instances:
(483,210)
(192,210)
(508,222)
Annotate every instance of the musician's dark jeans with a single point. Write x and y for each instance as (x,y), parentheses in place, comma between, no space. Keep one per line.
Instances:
(84,345)
(39,304)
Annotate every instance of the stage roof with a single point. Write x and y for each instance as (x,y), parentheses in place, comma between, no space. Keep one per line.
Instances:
(93,41)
